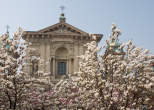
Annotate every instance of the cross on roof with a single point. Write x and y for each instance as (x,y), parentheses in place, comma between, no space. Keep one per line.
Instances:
(62,8)
(7,29)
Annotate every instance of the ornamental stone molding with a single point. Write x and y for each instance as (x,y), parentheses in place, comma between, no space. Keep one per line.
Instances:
(60,44)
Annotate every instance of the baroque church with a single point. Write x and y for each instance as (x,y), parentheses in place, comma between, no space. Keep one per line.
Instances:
(60,45)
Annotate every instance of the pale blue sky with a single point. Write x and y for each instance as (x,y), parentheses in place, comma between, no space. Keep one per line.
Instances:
(135,18)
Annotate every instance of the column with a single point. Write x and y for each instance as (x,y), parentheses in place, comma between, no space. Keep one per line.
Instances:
(76,59)
(53,68)
(42,56)
(70,66)
(67,66)
(28,67)
(81,52)
(48,58)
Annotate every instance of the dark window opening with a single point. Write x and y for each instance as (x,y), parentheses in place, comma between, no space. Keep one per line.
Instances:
(61,68)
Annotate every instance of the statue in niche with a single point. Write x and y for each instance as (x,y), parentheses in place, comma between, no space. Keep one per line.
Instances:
(34,67)
(34,62)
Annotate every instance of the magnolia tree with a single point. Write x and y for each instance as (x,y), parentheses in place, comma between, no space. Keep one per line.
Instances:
(14,82)
(39,92)
(47,96)
(12,78)
(66,94)
(119,78)
(20,90)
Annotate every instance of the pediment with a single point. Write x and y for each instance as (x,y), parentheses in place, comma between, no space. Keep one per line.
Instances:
(62,28)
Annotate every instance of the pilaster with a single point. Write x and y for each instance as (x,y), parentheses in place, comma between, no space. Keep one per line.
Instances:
(48,59)
(70,66)
(42,56)
(54,67)
(76,59)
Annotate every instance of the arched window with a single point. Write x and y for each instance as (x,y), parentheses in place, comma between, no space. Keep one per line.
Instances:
(62,52)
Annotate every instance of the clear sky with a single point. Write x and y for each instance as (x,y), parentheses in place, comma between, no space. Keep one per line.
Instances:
(135,18)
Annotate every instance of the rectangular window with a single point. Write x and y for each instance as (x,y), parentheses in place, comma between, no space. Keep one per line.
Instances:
(62,68)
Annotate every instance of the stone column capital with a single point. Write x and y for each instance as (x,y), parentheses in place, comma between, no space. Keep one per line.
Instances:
(52,57)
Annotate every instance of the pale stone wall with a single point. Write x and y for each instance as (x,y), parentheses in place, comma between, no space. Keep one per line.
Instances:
(47,49)
(47,42)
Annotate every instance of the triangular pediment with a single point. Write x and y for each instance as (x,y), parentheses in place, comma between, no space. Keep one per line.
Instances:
(62,28)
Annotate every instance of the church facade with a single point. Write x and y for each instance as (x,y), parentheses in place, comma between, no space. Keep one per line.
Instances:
(59,46)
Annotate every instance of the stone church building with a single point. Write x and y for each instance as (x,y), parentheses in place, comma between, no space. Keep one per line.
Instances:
(58,45)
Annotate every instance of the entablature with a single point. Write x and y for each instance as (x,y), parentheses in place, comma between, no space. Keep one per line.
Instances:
(43,36)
